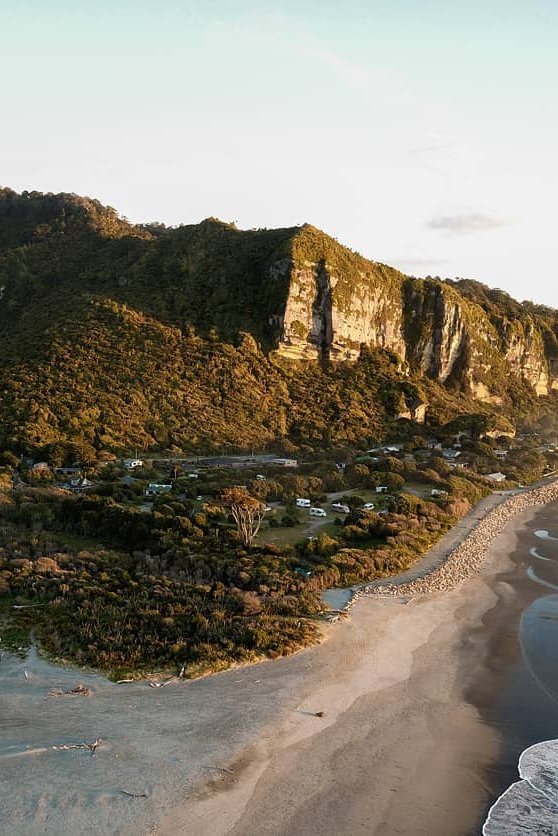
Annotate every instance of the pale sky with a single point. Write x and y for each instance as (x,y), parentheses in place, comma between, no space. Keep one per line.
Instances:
(422,134)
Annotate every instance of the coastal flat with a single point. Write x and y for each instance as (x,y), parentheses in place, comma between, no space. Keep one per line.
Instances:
(243,752)
(398,749)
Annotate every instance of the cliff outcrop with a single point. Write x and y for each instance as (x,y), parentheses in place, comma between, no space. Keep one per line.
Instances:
(336,301)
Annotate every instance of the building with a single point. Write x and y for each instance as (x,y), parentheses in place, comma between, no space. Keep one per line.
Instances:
(496,477)
(284,462)
(130,464)
(40,467)
(79,485)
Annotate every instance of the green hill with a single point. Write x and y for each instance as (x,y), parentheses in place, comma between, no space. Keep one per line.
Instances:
(203,337)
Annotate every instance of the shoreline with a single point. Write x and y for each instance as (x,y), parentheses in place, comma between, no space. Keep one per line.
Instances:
(413,680)
(460,553)
(245,749)
(518,691)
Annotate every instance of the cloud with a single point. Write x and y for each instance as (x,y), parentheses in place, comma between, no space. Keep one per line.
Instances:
(466,224)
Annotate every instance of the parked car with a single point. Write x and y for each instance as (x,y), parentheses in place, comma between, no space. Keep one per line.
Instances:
(368,506)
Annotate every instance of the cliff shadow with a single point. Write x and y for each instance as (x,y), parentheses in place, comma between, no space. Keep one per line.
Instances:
(322,317)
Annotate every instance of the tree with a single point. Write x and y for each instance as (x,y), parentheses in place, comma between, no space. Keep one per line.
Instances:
(83,452)
(57,454)
(246,511)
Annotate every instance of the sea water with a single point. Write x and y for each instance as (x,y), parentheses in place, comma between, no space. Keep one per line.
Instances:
(530,805)
(336,599)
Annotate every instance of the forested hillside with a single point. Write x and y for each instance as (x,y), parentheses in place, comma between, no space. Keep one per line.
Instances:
(203,337)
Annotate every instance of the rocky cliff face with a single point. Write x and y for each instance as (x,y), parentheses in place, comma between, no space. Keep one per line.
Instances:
(334,305)
(524,352)
(324,318)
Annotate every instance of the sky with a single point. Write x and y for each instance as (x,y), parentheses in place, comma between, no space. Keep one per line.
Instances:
(421,134)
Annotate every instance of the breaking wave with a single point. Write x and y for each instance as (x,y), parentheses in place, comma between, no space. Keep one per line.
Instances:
(529,806)
(543,534)
(534,577)
(534,553)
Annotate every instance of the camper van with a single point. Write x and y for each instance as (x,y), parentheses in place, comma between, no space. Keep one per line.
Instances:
(318,512)
(303,503)
(341,507)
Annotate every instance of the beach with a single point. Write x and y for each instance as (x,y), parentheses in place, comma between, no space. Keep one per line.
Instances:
(400,746)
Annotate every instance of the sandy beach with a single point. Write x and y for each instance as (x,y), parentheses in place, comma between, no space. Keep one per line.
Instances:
(397,750)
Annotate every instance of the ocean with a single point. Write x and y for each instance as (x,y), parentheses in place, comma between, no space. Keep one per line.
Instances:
(520,693)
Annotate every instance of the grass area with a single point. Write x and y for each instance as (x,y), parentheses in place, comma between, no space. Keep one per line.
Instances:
(308,527)
(315,526)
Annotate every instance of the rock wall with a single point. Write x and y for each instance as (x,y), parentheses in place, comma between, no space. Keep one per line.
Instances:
(328,315)
(524,352)
(326,318)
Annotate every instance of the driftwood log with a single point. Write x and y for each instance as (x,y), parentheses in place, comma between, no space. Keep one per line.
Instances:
(79,691)
(91,746)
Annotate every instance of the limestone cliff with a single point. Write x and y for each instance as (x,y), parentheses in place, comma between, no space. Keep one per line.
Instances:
(336,301)
(524,352)
(325,317)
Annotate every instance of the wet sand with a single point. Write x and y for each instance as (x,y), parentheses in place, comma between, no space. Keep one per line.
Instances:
(518,693)
(398,750)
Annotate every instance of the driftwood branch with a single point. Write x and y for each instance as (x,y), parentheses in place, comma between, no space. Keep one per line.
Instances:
(311,713)
(163,683)
(219,769)
(79,690)
(91,746)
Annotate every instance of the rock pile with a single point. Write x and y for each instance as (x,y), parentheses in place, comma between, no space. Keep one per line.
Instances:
(467,558)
